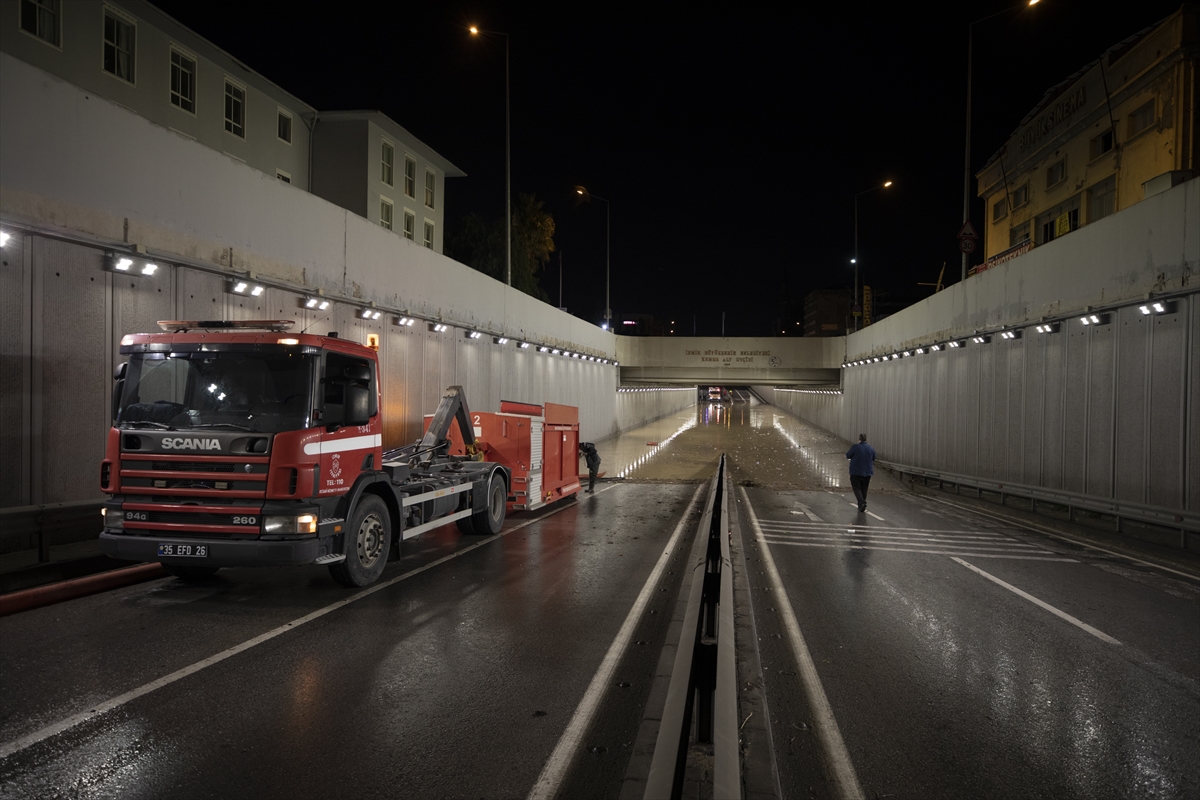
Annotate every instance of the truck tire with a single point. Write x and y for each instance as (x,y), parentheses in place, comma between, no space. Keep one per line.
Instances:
(190,574)
(466,526)
(368,538)
(489,521)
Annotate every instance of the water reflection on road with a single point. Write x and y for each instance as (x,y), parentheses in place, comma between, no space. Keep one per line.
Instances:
(765,446)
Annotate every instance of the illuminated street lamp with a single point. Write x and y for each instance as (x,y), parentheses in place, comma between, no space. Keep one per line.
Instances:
(507,159)
(967,159)
(583,192)
(854,260)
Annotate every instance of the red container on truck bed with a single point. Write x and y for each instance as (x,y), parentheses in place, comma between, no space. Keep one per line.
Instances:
(539,443)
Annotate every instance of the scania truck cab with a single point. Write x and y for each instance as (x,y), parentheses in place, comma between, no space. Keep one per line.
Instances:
(239,443)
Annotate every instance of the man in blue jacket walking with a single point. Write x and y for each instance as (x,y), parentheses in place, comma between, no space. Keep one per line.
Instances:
(862,467)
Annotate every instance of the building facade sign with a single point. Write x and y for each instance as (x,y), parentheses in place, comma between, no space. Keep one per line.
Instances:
(729,358)
(1055,115)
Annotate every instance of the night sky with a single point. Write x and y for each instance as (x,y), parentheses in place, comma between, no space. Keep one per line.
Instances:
(730,148)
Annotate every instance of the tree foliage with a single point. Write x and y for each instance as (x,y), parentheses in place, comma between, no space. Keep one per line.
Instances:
(480,245)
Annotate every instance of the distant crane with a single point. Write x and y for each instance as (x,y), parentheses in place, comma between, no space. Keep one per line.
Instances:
(939,285)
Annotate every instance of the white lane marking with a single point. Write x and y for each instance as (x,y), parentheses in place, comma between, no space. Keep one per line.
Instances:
(16,745)
(909,540)
(809,512)
(1047,532)
(958,552)
(343,445)
(876,516)
(800,525)
(1041,604)
(555,768)
(837,757)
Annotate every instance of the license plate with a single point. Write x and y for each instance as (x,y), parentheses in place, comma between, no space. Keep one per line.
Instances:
(184,550)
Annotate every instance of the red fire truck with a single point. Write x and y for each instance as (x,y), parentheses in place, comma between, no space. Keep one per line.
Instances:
(238,443)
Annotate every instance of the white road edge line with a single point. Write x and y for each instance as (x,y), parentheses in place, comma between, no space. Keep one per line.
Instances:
(555,768)
(17,745)
(837,756)
(1040,603)
(876,516)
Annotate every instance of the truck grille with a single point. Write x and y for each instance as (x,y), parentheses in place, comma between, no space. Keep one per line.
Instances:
(194,477)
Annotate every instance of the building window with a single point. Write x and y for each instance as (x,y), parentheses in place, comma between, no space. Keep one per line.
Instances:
(385,213)
(285,126)
(183,81)
(999,209)
(429,184)
(283,176)
(235,109)
(410,225)
(40,18)
(389,159)
(119,36)
(1101,144)
(1102,199)
(1141,119)
(1020,195)
(410,178)
(428,234)
(1018,234)
(1058,221)
(1057,173)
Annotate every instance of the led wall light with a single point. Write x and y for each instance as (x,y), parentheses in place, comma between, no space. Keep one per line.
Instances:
(245,288)
(1094,319)
(437,327)
(315,303)
(935,348)
(4,237)
(500,339)
(981,339)
(1010,334)
(473,334)
(1158,307)
(954,344)
(544,349)
(406,322)
(523,345)
(370,313)
(920,351)
(117,262)
(1047,327)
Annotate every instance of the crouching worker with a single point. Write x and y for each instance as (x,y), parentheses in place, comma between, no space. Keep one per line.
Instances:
(588,451)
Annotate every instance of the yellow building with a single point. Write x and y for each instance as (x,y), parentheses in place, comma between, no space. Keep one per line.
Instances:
(1121,129)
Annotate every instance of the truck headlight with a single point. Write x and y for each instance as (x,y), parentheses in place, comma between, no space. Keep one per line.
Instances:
(300,523)
(113,521)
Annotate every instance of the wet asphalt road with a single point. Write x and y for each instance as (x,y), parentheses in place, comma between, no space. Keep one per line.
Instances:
(460,672)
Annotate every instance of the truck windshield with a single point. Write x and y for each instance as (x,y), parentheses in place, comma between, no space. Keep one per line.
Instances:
(239,390)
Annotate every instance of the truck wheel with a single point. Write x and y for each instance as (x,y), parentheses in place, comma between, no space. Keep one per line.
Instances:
(489,521)
(190,574)
(466,526)
(368,539)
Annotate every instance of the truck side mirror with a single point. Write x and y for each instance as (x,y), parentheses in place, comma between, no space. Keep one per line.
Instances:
(357,408)
(118,386)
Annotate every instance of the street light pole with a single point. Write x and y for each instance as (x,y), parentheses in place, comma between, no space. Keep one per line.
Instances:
(967,148)
(583,192)
(507,158)
(854,260)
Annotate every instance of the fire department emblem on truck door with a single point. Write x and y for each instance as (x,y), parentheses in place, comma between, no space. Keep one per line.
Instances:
(335,469)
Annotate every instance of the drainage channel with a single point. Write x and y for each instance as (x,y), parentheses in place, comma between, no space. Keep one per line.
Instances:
(697,744)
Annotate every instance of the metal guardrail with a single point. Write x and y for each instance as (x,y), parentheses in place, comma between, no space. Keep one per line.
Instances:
(26,527)
(702,694)
(1178,519)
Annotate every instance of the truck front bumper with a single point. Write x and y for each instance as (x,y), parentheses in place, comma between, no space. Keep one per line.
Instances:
(241,553)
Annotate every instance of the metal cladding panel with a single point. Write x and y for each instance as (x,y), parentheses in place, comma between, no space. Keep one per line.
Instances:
(1033,413)
(1000,422)
(986,380)
(972,423)
(1076,407)
(139,302)
(925,414)
(75,371)
(942,432)
(1191,476)
(15,312)
(1166,409)
(1100,412)
(1129,472)
(393,380)
(1015,412)
(1052,410)
(200,295)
